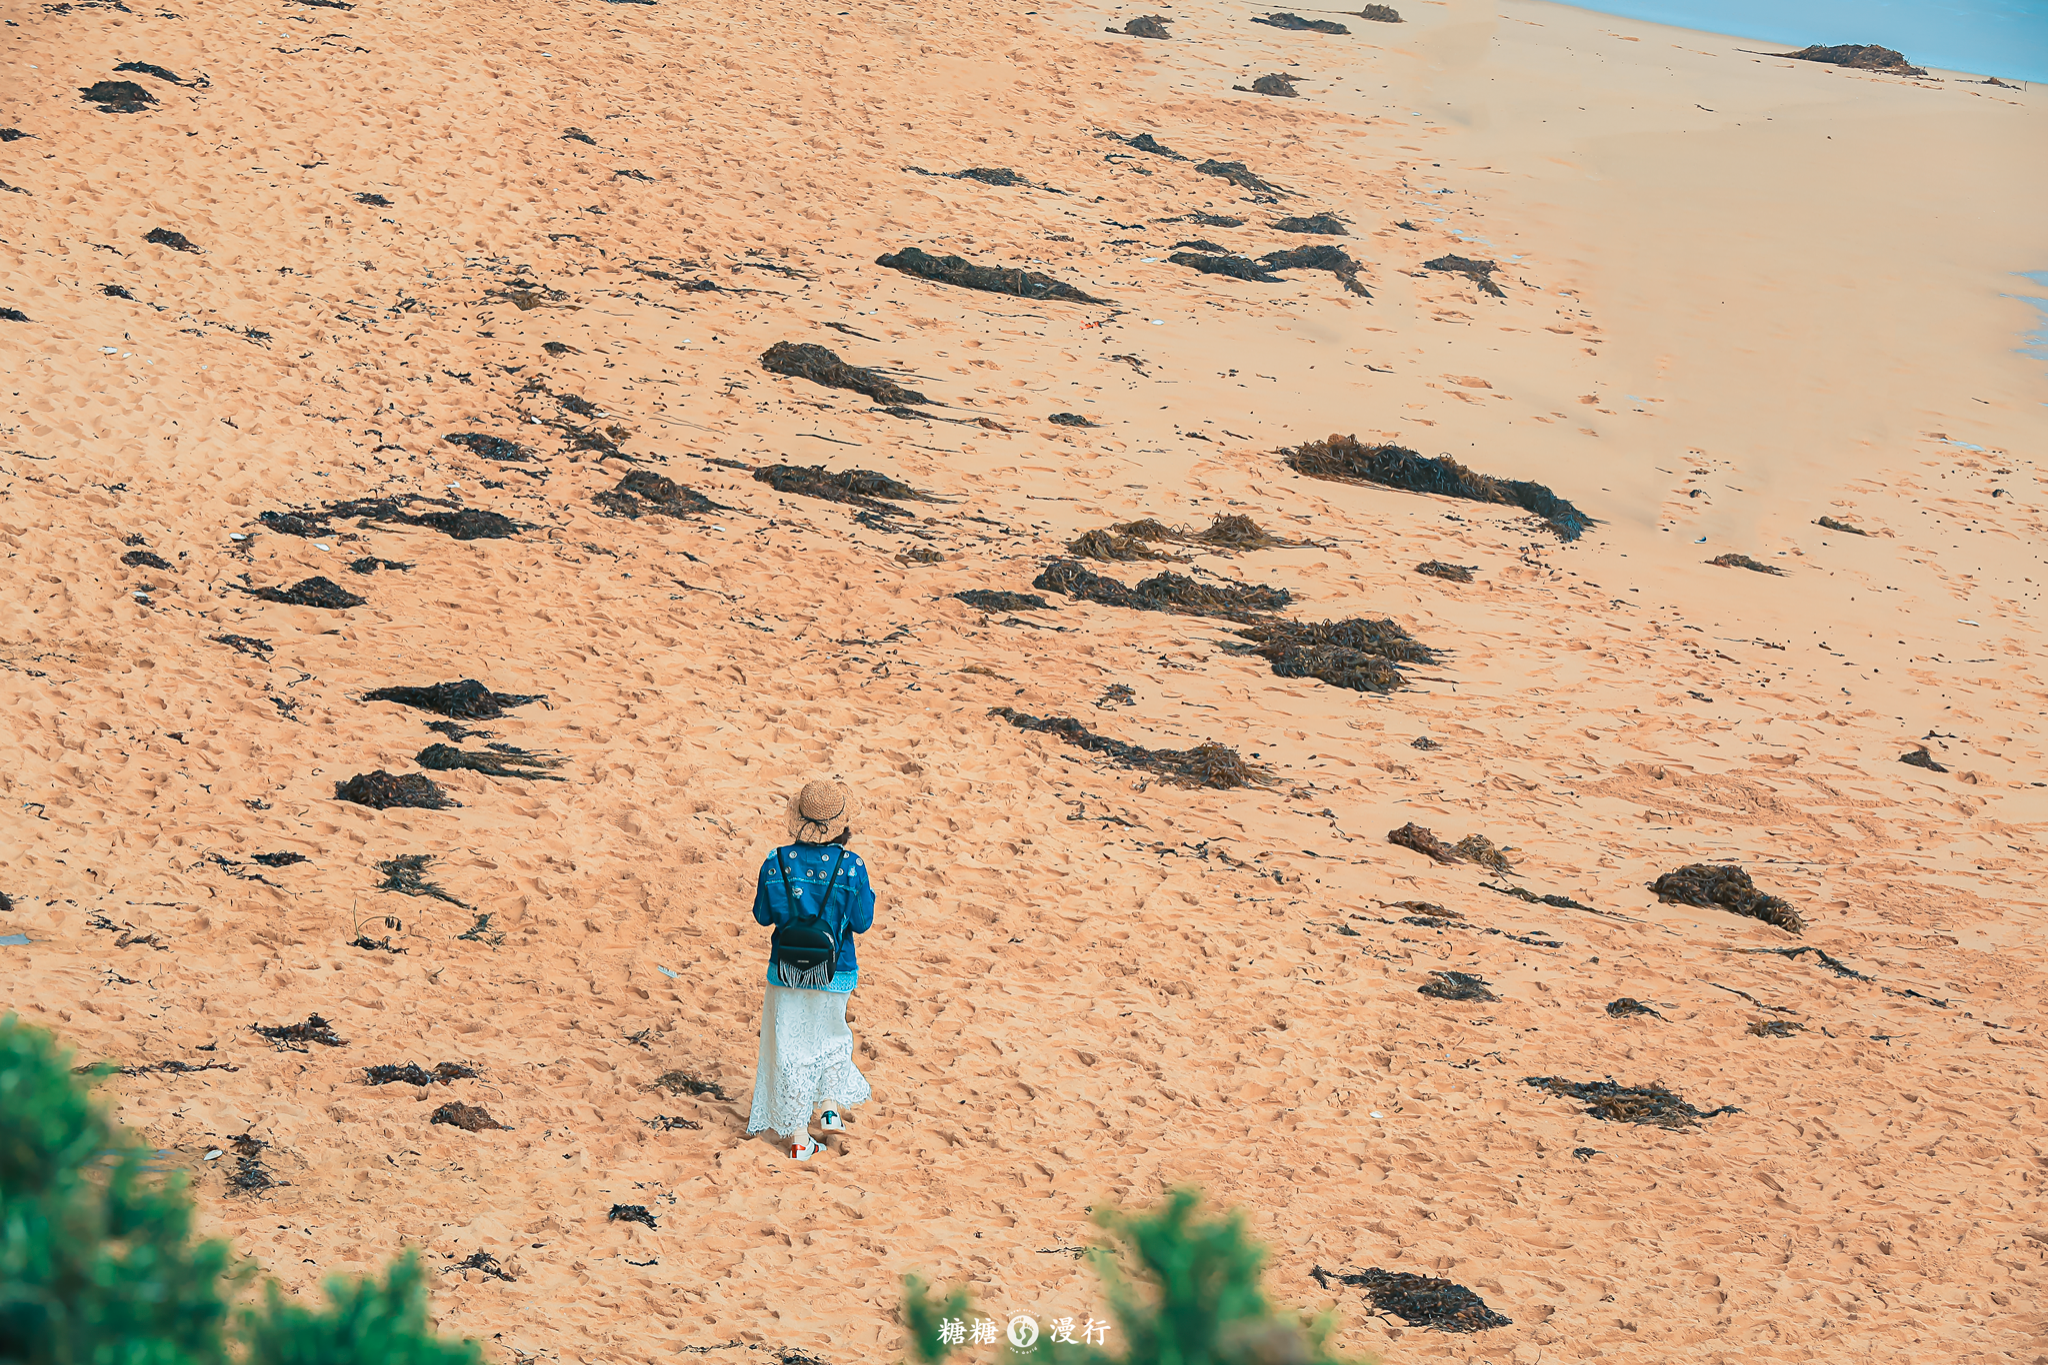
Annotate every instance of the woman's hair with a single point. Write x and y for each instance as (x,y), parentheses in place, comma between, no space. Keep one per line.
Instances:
(845,837)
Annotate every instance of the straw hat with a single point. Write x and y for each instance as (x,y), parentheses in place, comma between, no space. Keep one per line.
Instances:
(820,813)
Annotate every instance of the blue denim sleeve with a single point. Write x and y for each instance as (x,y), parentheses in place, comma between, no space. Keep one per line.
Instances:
(860,916)
(767,908)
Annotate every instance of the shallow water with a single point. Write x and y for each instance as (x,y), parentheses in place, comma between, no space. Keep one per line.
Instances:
(2006,38)
(2036,344)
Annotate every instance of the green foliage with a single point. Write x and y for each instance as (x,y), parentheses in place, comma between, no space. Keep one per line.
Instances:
(1196,1300)
(98,1265)
(97,1262)
(365,1321)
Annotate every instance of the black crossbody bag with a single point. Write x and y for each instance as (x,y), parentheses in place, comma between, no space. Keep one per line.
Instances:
(805,951)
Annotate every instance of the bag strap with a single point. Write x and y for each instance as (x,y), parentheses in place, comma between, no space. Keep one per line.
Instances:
(789,888)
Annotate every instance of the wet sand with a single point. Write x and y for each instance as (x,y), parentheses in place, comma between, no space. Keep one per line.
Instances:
(1739,294)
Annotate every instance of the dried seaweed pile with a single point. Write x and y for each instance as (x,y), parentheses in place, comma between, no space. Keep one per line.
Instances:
(1479,272)
(1627,1007)
(1162,592)
(384,791)
(497,760)
(1726,886)
(683,1083)
(860,487)
(317,591)
(1239,175)
(1144,26)
(1356,653)
(1322,224)
(1829,523)
(646,493)
(1858,57)
(630,1213)
(1419,1300)
(1133,540)
(1392,466)
(464,700)
(1321,256)
(412,1073)
(1734,561)
(461,523)
(1922,758)
(989,599)
(1473,848)
(470,1118)
(490,447)
(957,270)
(803,360)
(1384,14)
(406,874)
(1456,986)
(1651,1104)
(294,1037)
(251,1175)
(1295,23)
(1450,573)
(1205,765)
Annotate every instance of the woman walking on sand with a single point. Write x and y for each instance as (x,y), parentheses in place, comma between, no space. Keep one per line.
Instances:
(815,893)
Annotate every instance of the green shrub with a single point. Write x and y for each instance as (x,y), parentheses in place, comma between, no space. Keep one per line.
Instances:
(98,1265)
(1197,1301)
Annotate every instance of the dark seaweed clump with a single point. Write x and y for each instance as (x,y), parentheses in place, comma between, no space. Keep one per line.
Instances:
(1727,887)
(1628,1006)
(986,599)
(1454,573)
(280,859)
(1237,174)
(1473,848)
(683,1083)
(1456,986)
(295,1036)
(1321,256)
(412,1073)
(1296,24)
(318,591)
(463,523)
(1346,457)
(490,447)
(1423,841)
(861,487)
(1071,419)
(1860,57)
(646,493)
(480,1260)
(369,564)
(1236,267)
(1356,653)
(470,1118)
(176,241)
(1419,1300)
(464,700)
(151,69)
(957,270)
(251,1176)
(1831,524)
(1479,272)
(1205,765)
(1144,26)
(1145,142)
(630,1213)
(1385,14)
(143,559)
(118,97)
(1163,592)
(1920,758)
(821,366)
(406,874)
(1734,561)
(1275,83)
(1322,224)
(1651,1104)
(1132,540)
(383,791)
(1773,1028)
(500,760)
(14,315)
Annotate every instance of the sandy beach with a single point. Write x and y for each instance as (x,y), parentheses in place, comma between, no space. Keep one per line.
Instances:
(1732,295)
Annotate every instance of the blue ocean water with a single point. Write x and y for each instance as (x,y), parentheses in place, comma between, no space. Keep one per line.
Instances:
(2037,344)
(2006,38)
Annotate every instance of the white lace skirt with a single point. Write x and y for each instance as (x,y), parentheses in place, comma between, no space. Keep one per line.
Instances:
(806,1060)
